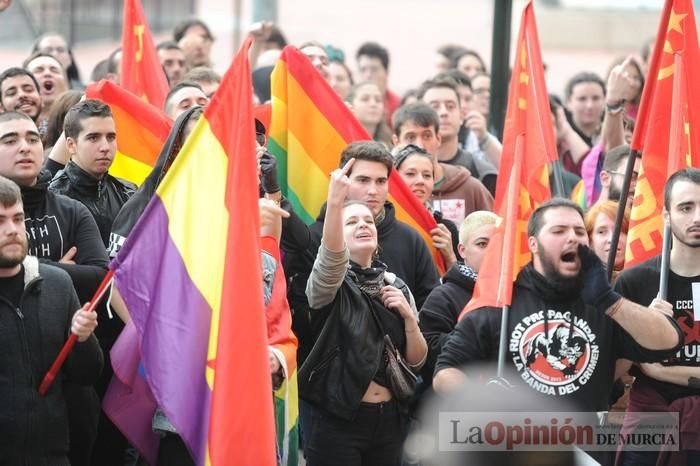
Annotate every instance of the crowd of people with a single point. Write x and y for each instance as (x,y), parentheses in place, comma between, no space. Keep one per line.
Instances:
(378,328)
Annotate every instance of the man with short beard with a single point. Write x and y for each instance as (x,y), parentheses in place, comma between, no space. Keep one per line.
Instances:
(613,174)
(567,326)
(674,384)
(19,92)
(40,310)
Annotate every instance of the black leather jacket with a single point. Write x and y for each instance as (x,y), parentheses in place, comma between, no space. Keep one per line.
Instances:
(104,198)
(347,353)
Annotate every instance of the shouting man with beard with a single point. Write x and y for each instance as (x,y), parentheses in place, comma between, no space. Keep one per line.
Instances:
(19,92)
(38,310)
(674,384)
(566,326)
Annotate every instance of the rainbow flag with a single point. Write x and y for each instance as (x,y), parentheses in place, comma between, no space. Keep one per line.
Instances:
(310,127)
(141,130)
(190,274)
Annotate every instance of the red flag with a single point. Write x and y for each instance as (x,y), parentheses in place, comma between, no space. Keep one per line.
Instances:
(523,179)
(141,72)
(670,105)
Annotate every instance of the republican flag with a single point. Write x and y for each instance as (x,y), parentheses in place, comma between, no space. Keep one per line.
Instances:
(310,127)
(666,131)
(141,131)
(190,274)
(141,72)
(523,179)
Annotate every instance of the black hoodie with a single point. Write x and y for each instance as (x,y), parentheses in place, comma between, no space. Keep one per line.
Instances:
(440,313)
(551,357)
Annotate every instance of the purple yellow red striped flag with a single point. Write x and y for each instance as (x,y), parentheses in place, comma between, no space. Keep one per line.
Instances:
(310,127)
(141,130)
(190,274)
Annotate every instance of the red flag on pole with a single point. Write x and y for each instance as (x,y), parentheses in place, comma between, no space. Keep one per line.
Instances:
(523,179)
(141,72)
(671,107)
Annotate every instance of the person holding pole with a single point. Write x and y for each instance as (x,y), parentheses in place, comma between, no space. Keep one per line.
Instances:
(674,384)
(566,327)
(39,309)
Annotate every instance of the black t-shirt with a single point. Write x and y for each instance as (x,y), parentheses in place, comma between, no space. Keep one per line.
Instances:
(11,288)
(641,285)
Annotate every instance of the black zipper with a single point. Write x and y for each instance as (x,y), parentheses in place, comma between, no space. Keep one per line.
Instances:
(324,362)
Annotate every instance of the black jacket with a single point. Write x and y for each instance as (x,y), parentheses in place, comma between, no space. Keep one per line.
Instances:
(103,198)
(35,429)
(347,352)
(439,315)
(401,248)
(550,356)
(54,224)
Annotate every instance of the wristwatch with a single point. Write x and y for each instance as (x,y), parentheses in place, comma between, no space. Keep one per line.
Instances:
(615,109)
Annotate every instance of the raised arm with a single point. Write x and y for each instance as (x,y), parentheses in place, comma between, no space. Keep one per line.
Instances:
(331,261)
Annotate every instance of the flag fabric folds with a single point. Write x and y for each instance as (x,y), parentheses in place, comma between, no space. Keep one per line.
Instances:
(141,130)
(664,133)
(310,127)
(190,274)
(141,72)
(523,180)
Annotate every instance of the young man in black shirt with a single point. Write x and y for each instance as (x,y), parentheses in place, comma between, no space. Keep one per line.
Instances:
(674,384)
(567,327)
(38,310)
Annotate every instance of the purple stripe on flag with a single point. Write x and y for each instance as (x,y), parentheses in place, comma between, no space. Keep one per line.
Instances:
(172,318)
(129,402)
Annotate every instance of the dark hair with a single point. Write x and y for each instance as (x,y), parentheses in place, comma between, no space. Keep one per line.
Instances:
(35,55)
(441,80)
(615,156)
(370,151)
(14,115)
(583,77)
(450,51)
(420,113)
(168,45)
(112,61)
(277,37)
(10,193)
(183,26)
(535,223)
(202,73)
(472,53)
(407,95)
(72,72)
(100,71)
(176,88)
(408,150)
(72,124)
(374,50)
(13,73)
(345,67)
(460,78)
(690,174)
(57,115)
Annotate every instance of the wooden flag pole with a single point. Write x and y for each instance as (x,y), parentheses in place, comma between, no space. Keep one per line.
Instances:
(68,346)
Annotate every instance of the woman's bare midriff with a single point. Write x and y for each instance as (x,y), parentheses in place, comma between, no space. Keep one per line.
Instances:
(376,393)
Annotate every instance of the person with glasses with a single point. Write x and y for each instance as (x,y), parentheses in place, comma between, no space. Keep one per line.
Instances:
(56,45)
(613,174)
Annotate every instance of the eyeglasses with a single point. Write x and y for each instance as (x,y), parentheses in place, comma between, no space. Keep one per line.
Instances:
(634,174)
(261,138)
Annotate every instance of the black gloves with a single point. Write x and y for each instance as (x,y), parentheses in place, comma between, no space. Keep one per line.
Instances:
(268,173)
(596,292)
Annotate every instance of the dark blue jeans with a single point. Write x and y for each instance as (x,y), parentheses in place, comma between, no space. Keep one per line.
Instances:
(374,437)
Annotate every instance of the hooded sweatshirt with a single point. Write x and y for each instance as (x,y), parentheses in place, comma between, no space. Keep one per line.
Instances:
(558,346)
(458,194)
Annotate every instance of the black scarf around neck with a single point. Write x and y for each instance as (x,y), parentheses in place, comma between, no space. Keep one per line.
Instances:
(370,279)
